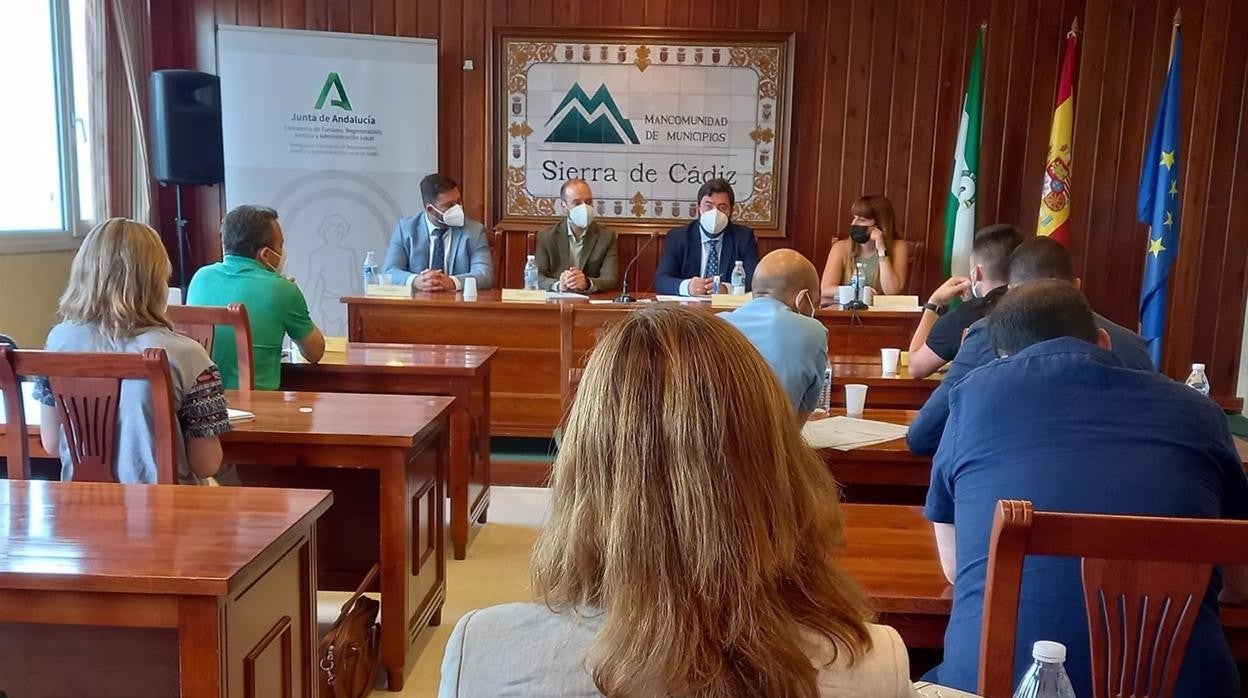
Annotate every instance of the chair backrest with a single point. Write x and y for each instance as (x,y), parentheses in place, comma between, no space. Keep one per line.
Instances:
(86,388)
(497,240)
(199,322)
(579,327)
(1143,581)
(15,451)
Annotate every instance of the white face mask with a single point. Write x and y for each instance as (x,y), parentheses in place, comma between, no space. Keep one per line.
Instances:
(813,308)
(581,215)
(453,217)
(280,267)
(713,221)
(975,287)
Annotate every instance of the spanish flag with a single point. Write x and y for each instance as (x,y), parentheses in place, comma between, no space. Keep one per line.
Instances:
(1055,196)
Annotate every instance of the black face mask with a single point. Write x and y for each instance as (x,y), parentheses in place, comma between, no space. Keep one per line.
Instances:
(859,234)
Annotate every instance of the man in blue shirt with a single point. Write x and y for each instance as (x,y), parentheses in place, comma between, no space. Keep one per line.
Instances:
(780,323)
(1037,258)
(709,246)
(1091,436)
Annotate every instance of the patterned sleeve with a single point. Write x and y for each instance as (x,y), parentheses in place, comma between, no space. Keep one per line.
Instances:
(202,412)
(43,391)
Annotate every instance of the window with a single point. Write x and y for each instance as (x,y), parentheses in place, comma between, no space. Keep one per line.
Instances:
(46,186)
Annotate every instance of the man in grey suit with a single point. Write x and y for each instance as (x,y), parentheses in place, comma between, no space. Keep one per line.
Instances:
(437,249)
(577,254)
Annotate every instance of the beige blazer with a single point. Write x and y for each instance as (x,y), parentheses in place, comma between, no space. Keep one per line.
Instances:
(525,649)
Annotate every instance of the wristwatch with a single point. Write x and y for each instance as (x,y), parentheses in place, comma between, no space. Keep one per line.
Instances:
(934,308)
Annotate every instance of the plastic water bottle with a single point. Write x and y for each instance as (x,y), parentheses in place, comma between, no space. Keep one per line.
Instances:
(825,391)
(738,279)
(370,268)
(530,274)
(1198,380)
(855,281)
(1047,676)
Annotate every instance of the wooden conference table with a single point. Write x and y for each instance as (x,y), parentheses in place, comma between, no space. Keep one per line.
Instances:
(892,552)
(384,457)
(157,590)
(525,378)
(461,372)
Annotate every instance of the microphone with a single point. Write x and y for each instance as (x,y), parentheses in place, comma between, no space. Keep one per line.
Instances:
(624,297)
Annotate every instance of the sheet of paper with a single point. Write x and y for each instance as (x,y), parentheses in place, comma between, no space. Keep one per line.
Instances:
(682,299)
(848,433)
(239,415)
(931,690)
(554,295)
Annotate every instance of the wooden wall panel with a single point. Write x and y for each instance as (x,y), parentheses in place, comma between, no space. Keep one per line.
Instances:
(877,94)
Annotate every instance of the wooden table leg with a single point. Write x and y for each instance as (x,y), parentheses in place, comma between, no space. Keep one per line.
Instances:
(461,466)
(483,444)
(394,495)
(201,641)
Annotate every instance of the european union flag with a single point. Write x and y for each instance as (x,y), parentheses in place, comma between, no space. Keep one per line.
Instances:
(1158,205)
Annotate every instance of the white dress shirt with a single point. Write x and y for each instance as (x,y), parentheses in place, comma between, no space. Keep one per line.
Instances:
(719,239)
(428,230)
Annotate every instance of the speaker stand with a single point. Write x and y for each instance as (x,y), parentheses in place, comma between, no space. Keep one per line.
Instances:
(180,225)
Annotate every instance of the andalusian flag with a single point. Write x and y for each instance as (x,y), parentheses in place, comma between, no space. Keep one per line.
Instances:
(960,209)
(1055,196)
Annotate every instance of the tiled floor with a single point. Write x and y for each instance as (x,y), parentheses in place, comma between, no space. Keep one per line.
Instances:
(496,571)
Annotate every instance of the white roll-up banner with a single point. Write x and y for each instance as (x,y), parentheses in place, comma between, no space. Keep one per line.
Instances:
(335,131)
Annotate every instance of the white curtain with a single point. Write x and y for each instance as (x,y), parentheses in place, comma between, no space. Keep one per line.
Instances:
(120,61)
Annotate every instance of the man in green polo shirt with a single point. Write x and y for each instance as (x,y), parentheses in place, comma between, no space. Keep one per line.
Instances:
(251,274)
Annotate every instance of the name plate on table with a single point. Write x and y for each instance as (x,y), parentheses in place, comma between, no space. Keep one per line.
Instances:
(910,303)
(730,300)
(524,295)
(388,290)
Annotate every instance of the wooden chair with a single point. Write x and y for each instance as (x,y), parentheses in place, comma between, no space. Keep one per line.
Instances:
(16,452)
(579,325)
(1143,580)
(200,322)
(498,238)
(87,389)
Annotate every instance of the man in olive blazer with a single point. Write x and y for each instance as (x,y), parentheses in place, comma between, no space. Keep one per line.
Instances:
(576,253)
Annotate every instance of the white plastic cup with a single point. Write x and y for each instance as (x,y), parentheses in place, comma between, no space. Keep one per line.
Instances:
(855,399)
(890,358)
(470,288)
(844,295)
(868,295)
(386,279)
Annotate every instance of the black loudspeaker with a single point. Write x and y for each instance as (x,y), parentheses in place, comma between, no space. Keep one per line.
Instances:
(186,128)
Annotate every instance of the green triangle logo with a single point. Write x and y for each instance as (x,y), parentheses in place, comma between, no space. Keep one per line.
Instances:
(594,120)
(333,82)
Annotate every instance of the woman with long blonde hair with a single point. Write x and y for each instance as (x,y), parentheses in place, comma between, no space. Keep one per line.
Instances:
(115,302)
(692,541)
(875,242)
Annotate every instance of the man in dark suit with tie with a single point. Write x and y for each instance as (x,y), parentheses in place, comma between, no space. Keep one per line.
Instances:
(709,246)
(577,253)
